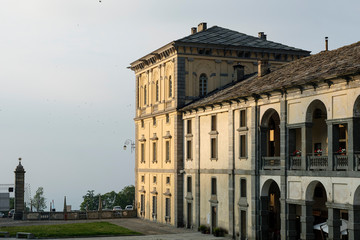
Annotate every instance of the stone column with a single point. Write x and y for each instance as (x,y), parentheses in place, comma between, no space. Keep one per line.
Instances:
(354,222)
(306,144)
(307,220)
(197,171)
(19,192)
(231,167)
(333,223)
(284,167)
(264,218)
(350,148)
(291,219)
(330,128)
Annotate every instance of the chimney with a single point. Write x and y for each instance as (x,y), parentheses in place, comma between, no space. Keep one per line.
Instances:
(263,68)
(193,30)
(262,35)
(239,72)
(326,44)
(202,26)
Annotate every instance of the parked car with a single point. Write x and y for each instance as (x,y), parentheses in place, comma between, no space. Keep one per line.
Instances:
(2,214)
(129,207)
(11,213)
(117,208)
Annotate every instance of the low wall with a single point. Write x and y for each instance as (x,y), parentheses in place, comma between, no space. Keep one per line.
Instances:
(105,214)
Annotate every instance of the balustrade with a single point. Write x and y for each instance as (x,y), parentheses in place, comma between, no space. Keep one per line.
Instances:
(341,162)
(295,162)
(317,162)
(271,163)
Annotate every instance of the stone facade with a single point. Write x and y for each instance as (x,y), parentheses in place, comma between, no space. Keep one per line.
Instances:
(285,156)
(168,79)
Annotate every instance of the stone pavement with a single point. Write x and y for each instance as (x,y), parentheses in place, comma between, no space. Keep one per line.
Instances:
(151,230)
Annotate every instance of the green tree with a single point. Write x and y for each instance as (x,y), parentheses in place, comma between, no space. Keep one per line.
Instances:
(91,201)
(126,196)
(38,201)
(108,200)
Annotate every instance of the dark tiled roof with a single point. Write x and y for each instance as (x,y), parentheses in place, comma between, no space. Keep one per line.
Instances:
(222,36)
(324,65)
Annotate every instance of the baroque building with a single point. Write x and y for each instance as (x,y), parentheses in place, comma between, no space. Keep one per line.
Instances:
(277,155)
(168,79)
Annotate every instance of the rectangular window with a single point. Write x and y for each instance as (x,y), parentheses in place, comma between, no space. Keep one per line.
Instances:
(243,187)
(154,179)
(142,204)
(167,209)
(142,123)
(213,123)
(154,206)
(188,149)
(167,118)
(154,152)
(242,118)
(167,151)
(157,91)
(154,121)
(142,178)
(213,186)
(167,180)
(189,184)
(142,153)
(189,127)
(243,224)
(243,145)
(170,87)
(213,145)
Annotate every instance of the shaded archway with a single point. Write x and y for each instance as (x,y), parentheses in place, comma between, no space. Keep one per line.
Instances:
(355,131)
(270,139)
(316,195)
(270,210)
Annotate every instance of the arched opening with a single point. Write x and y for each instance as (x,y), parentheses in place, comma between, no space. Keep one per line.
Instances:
(270,211)
(316,193)
(270,140)
(356,133)
(316,115)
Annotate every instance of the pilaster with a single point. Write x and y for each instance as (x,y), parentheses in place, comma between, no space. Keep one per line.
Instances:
(307,220)
(333,223)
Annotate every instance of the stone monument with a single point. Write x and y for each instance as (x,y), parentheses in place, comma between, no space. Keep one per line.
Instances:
(19,191)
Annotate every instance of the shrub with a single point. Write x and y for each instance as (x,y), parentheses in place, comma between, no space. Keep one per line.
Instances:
(219,232)
(204,229)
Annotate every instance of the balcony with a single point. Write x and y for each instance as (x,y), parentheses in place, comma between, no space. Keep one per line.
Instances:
(341,162)
(317,162)
(271,163)
(295,162)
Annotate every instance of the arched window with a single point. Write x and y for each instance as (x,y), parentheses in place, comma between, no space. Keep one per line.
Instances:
(202,84)
(145,96)
(157,91)
(170,87)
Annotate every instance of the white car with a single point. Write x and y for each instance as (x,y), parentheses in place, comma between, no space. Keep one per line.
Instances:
(117,208)
(129,207)
(1,214)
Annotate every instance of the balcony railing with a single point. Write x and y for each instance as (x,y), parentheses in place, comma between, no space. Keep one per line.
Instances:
(271,163)
(341,162)
(317,162)
(357,160)
(295,162)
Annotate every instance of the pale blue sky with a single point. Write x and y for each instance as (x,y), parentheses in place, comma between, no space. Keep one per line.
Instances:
(67,98)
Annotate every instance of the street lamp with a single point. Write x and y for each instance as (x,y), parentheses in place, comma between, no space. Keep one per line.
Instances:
(131,143)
